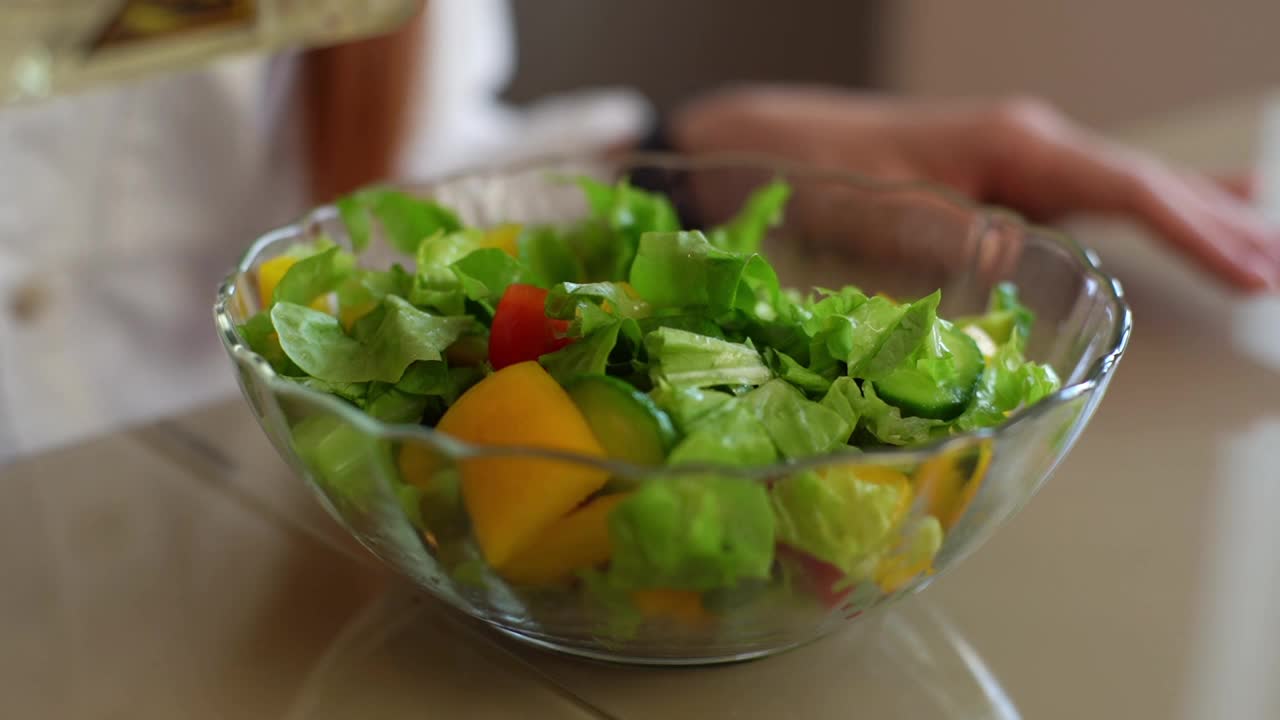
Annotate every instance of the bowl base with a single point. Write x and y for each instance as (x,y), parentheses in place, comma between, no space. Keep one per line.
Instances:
(621,658)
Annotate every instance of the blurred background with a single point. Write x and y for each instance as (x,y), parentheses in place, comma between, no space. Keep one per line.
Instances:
(1105,62)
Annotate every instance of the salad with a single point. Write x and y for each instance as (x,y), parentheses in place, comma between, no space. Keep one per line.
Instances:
(674,353)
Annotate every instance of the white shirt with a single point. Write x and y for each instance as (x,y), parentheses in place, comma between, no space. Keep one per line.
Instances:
(121,209)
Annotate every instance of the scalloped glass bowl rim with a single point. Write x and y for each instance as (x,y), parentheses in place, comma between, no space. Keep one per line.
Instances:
(1086,263)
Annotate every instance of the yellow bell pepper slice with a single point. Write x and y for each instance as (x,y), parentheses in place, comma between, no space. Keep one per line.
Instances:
(578,541)
(512,500)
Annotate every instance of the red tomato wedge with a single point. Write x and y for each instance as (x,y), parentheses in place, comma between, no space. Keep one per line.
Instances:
(521,329)
(822,575)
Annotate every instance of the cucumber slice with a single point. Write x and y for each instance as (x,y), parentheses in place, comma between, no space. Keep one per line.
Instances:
(627,423)
(916,393)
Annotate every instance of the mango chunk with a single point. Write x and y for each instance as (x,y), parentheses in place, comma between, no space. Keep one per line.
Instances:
(512,500)
(578,541)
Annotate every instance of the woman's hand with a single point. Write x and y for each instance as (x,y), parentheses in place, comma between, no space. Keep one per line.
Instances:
(1019,153)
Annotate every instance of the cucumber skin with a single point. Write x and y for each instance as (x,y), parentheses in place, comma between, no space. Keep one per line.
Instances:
(593,392)
(948,400)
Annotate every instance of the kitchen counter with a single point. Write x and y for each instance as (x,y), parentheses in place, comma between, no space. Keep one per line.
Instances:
(178,570)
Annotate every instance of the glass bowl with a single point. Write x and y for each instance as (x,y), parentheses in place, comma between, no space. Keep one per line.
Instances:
(905,240)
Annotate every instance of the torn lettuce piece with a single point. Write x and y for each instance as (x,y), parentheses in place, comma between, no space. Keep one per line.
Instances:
(588,356)
(436,378)
(1008,383)
(879,334)
(386,341)
(680,359)
(343,460)
(688,405)
(313,276)
(355,393)
(362,290)
(691,533)
(260,335)
(548,256)
(732,434)
(484,274)
(629,211)
(590,306)
(683,270)
(840,517)
(395,406)
(405,220)
(829,303)
(881,420)
(785,367)
(1006,318)
(798,426)
(762,210)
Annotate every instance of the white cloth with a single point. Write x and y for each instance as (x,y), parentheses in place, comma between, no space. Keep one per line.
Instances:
(121,209)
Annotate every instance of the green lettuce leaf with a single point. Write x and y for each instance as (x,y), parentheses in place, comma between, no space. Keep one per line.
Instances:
(592,305)
(786,367)
(314,276)
(762,210)
(830,303)
(688,405)
(484,275)
(679,358)
(798,426)
(548,256)
(879,334)
(394,406)
(367,287)
(387,340)
(836,516)
(682,269)
(630,211)
(259,334)
(343,460)
(697,323)
(1008,383)
(759,295)
(601,253)
(436,378)
(1004,299)
(356,219)
(351,392)
(588,356)
(730,435)
(1006,319)
(435,284)
(881,420)
(691,533)
(405,220)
